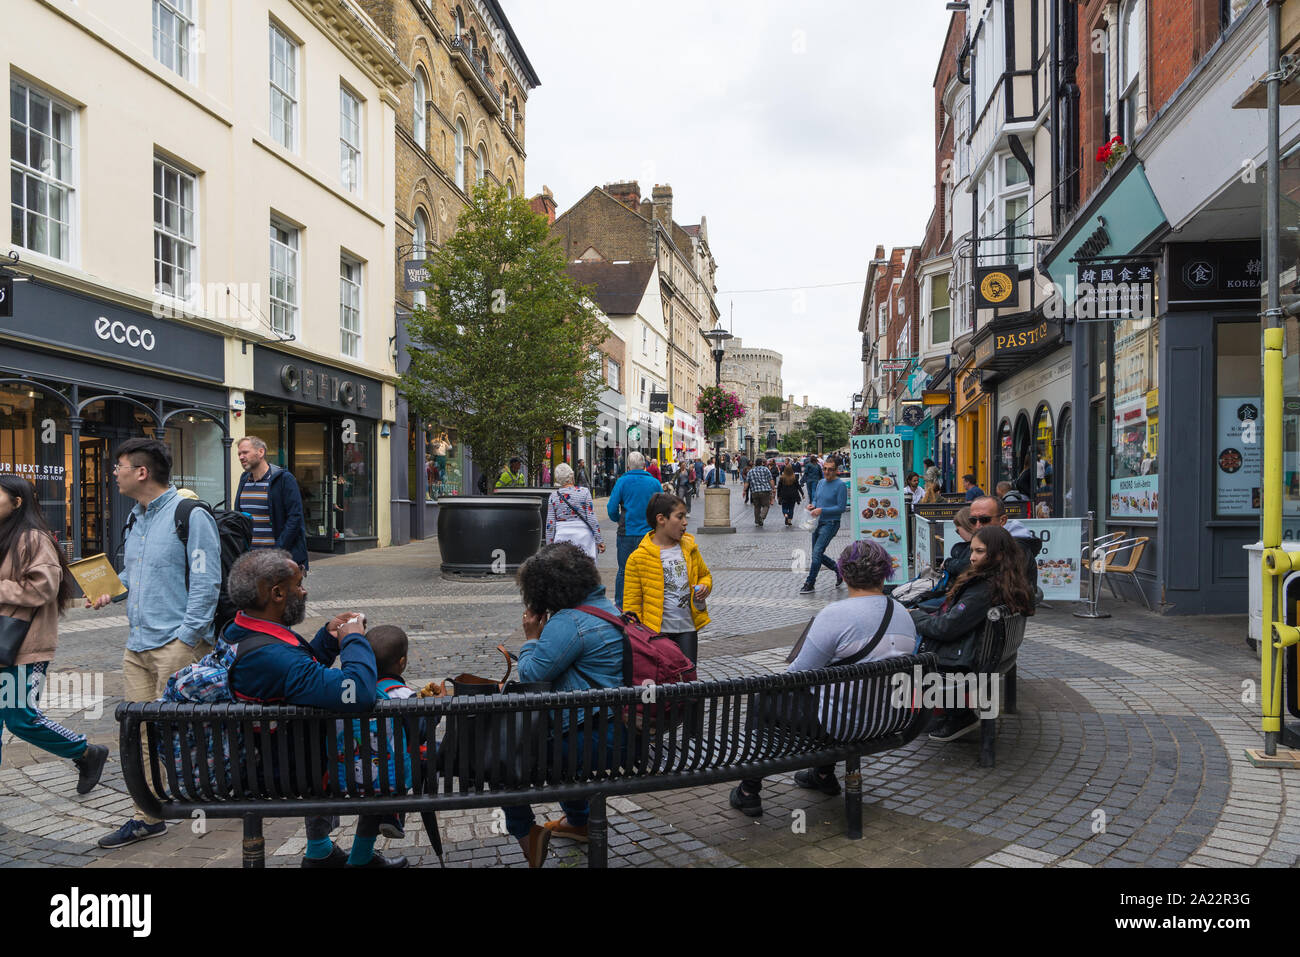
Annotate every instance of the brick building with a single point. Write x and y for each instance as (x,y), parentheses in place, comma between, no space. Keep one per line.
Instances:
(615,223)
(461,120)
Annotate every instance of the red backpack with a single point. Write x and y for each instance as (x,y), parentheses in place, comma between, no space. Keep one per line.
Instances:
(649,660)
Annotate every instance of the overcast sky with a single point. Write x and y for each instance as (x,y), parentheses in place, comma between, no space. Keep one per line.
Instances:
(803,131)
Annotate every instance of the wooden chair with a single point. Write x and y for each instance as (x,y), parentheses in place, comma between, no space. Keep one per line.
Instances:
(1135,547)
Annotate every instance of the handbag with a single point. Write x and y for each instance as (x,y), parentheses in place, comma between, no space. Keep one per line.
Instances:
(13,631)
(499,761)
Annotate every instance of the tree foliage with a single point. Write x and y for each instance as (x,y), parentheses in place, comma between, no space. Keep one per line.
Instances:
(770,403)
(833,425)
(505,351)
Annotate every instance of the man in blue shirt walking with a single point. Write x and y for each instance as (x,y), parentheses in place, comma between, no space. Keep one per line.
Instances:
(172,588)
(627,504)
(829,505)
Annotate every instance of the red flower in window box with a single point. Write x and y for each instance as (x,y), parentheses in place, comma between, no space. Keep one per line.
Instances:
(1111,152)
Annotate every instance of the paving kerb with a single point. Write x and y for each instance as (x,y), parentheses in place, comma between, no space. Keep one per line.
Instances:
(1138,717)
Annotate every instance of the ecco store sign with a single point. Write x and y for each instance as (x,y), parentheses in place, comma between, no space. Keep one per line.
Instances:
(115,330)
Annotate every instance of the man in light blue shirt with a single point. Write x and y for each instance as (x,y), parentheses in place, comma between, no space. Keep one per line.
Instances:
(627,506)
(828,507)
(172,589)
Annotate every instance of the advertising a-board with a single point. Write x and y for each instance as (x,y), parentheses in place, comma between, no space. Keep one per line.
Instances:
(876,483)
(1058,560)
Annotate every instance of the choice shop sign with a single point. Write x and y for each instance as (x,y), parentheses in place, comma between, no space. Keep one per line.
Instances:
(311,383)
(47,315)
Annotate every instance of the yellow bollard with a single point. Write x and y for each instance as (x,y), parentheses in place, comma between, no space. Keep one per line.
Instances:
(1276,562)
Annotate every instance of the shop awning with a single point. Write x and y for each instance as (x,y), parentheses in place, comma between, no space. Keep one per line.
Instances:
(1007,345)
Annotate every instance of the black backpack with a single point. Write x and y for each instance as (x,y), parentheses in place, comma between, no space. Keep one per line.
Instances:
(234,532)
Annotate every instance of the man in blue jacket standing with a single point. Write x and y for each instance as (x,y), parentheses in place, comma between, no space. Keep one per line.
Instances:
(812,474)
(829,505)
(273,665)
(627,505)
(269,496)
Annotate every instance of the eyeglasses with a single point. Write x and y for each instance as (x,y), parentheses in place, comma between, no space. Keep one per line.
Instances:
(981,519)
(119,467)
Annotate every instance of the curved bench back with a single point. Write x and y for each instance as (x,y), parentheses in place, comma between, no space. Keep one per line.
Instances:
(213,756)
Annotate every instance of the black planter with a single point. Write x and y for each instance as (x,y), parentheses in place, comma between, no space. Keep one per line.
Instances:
(543,498)
(476,531)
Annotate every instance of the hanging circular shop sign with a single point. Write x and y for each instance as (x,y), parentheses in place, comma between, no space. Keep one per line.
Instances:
(996,287)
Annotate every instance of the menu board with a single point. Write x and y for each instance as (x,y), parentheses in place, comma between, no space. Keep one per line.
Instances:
(923,538)
(1137,496)
(1238,455)
(1058,560)
(876,483)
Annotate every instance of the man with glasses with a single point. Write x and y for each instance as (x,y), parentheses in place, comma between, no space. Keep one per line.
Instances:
(988,510)
(172,588)
(829,505)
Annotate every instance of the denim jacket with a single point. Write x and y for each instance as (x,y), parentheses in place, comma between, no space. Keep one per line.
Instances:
(574,641)
(158,607)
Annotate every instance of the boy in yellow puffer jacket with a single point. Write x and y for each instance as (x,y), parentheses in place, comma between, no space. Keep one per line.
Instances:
(666,581)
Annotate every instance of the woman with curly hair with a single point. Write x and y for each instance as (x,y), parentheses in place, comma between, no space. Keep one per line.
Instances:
(866,626)
(572,650)
(996,576)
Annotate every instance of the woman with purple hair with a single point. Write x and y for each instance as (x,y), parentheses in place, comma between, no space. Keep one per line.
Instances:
(866,626)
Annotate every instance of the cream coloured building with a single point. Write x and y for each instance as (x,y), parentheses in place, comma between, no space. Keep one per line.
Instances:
(204,225)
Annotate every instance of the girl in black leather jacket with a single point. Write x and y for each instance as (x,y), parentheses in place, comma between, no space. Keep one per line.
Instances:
(995,577)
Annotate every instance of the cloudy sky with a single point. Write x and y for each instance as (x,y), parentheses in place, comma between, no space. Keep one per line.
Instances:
(802,130)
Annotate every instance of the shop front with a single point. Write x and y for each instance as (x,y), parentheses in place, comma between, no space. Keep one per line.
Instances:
(321,423)
(1025,361)
(63,412)
(974,411)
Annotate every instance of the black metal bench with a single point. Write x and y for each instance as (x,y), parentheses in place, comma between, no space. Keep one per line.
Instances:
(1003,635)
(255,762)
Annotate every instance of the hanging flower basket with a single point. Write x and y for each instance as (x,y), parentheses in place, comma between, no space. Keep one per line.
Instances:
(719,408)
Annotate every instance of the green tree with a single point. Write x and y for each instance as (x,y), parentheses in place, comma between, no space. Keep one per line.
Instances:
(797,440)
(833,425)
(770,403)
(505,351)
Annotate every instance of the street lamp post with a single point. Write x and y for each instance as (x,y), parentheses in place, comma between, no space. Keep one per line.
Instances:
(717,500)
(820,437)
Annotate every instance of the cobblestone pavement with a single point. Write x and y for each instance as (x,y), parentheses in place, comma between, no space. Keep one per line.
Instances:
(1127,748)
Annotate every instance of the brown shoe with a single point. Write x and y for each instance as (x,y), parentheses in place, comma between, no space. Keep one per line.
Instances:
(535,845)
(562,828)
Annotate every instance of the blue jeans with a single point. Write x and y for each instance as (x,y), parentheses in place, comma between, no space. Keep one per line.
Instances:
(21,684)
(812,489)
(520,818)
(626,545)
(822,535)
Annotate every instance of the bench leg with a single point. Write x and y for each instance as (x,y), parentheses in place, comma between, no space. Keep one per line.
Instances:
(853,796)
(598,834)
(1010,681)
(988,741)
(254,843)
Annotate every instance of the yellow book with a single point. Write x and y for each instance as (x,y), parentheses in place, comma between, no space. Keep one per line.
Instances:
(96,577)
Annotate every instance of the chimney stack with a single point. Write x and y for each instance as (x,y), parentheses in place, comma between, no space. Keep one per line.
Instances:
(662,196)
(544,205)
(629,193)
(805,402)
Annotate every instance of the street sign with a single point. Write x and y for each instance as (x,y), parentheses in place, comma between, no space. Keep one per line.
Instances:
(658,401)
(6,297)
(895,365)
(873,415)
(905,432)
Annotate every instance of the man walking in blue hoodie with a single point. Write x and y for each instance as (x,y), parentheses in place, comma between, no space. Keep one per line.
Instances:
(829,505)
(627,505)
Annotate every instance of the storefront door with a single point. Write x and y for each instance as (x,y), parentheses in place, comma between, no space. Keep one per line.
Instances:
(313,467)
